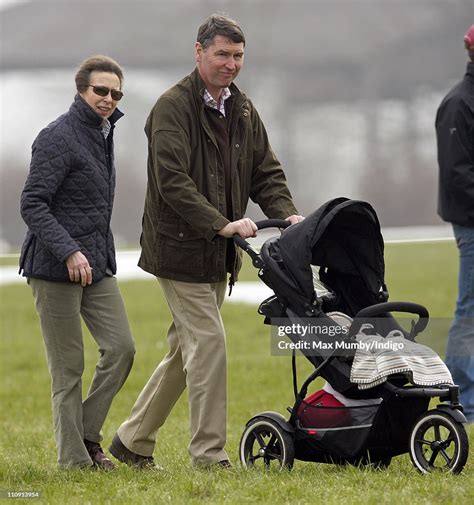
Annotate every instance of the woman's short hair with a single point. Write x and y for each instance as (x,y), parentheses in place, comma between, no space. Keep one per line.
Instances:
(98,63)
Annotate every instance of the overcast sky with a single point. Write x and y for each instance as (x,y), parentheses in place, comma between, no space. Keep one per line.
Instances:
(7,3)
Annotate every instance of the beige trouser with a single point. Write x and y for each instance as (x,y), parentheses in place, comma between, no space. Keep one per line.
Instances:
(196,360)
(60,306)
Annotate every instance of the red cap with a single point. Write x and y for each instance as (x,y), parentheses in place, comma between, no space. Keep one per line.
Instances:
(469,38)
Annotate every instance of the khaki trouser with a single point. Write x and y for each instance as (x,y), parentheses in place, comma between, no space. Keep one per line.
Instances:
(60,306)
(196,360)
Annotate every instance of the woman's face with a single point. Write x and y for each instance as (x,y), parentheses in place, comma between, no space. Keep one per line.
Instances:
(104,106)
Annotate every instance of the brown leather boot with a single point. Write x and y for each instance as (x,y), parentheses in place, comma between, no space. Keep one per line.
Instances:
(118,450)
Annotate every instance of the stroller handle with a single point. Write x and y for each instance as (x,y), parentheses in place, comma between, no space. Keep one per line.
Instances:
(261,225)
(383,308)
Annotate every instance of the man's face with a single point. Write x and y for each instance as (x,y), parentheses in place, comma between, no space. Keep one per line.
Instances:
(102,105)
(219,64)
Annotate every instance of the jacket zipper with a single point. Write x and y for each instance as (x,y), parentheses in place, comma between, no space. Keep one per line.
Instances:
(108,165)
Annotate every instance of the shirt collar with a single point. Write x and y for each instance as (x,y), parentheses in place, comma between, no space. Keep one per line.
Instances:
(210,102)
(106,126)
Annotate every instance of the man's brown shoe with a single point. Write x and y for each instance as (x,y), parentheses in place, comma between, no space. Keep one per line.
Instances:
(99,459)
(118,450)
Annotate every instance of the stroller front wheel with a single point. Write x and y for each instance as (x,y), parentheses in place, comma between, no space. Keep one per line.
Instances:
(438,443)
(265,444)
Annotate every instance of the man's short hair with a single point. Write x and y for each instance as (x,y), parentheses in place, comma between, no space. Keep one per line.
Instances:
(219,24)
(98,63)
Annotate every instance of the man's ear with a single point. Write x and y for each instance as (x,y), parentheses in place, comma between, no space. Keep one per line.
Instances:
(198,49)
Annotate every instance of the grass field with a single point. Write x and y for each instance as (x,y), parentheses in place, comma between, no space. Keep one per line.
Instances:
(424,273)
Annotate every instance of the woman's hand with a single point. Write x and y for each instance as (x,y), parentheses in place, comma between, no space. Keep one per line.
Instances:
(79,268)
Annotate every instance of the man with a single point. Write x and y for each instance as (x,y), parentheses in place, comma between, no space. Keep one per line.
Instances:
(455,135)
(68,257)
(208,153)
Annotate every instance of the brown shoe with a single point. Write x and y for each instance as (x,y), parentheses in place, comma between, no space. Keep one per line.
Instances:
(118,450)
(225,463)
(99,459)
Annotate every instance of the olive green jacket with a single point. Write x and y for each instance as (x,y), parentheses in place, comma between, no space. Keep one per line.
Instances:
(185,199)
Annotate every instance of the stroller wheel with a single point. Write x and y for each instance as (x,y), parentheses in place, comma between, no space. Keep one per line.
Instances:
(264,443)
(438,443)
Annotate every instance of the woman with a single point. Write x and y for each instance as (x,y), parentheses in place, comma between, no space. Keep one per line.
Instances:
(68,258)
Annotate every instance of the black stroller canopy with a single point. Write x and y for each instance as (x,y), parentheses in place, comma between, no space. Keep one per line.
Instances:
(343,238)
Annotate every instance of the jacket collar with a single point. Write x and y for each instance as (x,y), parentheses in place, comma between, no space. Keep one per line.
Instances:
(470,70)
(84,112)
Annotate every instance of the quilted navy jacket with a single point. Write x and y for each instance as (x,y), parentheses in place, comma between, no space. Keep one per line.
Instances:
(68,196)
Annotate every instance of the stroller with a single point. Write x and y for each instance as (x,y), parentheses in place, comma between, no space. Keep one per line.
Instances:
(343,239)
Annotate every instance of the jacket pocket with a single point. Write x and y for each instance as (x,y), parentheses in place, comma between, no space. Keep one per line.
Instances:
(180,249)
(88,246)
(27,253)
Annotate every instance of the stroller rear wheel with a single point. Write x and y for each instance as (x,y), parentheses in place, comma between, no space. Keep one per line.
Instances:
(264,443)
(438,443)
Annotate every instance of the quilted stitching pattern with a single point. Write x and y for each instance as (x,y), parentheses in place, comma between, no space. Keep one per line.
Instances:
(68,196)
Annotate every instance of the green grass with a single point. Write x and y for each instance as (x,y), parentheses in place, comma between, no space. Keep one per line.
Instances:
(257,381)
(9,260)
